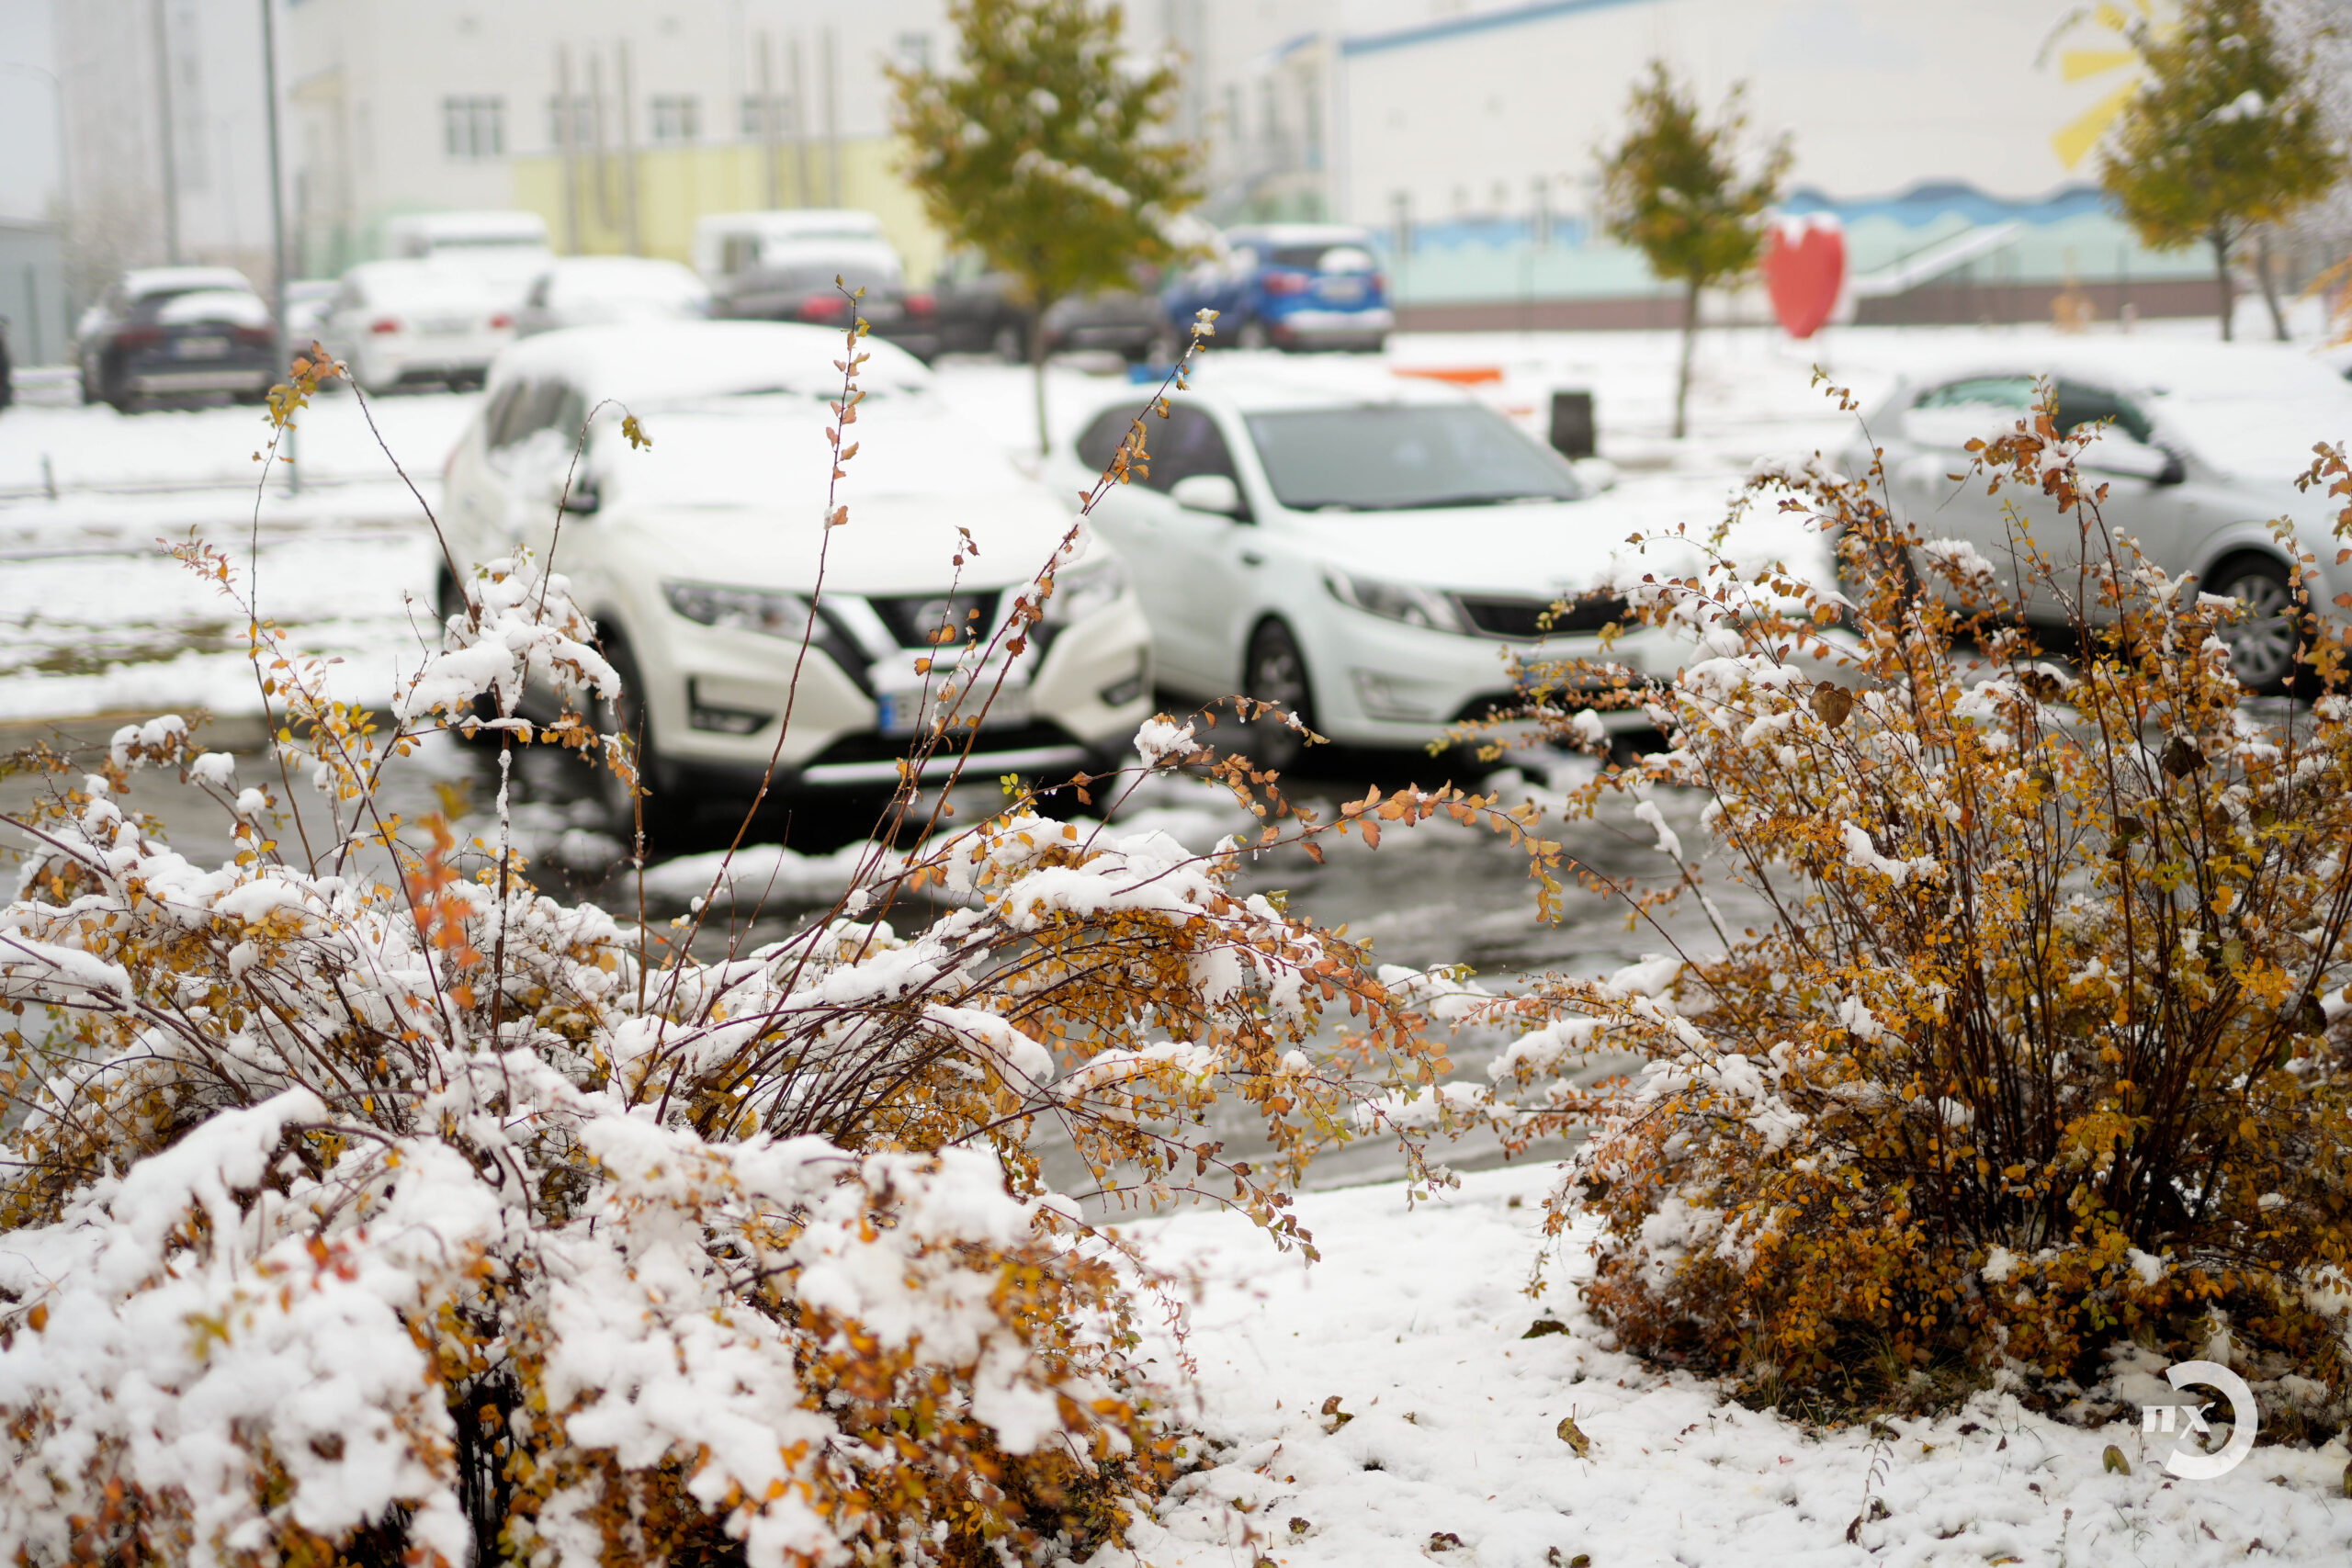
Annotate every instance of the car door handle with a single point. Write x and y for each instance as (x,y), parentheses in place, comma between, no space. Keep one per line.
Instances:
(1252,558)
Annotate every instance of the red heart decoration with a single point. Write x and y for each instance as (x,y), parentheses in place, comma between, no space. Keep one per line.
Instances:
(1804,266)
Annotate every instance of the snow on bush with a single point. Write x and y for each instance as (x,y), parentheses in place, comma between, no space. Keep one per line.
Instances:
(2044,1051)
(365,1204)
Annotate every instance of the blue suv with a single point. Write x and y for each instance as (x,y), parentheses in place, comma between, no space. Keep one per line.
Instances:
(1289,285)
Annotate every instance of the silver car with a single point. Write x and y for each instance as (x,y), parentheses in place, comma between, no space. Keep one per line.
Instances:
(2201,448)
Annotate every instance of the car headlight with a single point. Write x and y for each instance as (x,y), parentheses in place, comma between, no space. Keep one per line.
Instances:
(758,610)
(1079,590)
(1395,602)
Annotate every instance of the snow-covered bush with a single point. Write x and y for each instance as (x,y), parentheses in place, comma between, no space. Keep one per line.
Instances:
(2043,1046)
(363,1203)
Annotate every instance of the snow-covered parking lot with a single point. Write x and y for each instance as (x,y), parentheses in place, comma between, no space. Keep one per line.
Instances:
(1416,1322)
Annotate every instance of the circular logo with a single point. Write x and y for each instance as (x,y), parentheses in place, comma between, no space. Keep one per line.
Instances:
(2187,1462)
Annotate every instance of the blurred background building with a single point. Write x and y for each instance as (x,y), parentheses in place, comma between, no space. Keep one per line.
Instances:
(1953,137)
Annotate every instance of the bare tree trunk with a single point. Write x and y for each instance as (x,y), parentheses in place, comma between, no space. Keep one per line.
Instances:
(2269,286)
(1690,337)
(2220,239)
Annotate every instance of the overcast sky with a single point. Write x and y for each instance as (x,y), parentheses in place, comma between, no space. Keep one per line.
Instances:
(27,109)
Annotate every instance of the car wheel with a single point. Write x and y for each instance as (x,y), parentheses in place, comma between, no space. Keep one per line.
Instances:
(1009,345)
(1252,335)
(2269,628)
(659,810)
(1276,672)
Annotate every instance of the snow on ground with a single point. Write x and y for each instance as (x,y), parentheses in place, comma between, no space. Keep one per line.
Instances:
(1416,1321)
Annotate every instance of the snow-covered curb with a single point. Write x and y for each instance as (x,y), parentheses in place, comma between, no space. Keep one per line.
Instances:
(1415,1320)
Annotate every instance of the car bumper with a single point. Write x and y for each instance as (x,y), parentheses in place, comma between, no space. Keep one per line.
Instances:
(427,358)
(167,381)
(1332,328)
(1087,695)
(1385,684)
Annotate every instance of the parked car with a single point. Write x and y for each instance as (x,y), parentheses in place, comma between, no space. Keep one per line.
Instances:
(727,245)
(1290,286)
(1125,321)
(7,373)
(1365,551)
(807,291)
(702,558)
(506,250)
(980,311)
(395,322)
(2202,445)
(590,291)
(176,331)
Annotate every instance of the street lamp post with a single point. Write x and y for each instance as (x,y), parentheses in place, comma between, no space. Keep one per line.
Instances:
(277,213)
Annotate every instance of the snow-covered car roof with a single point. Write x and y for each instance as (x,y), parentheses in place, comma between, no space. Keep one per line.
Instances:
(236,306)
(1299,235)
(2158,365)
(624,277)
(140,282)
(645,364)
(1258,385)
(410,281)
(434,231)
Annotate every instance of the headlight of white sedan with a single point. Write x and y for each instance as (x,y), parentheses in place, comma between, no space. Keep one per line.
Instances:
(761,610)
(1081,590)
(1395,602)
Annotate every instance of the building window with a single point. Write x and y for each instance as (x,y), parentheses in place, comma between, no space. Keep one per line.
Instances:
(914,51)
(582,120)
(473,128)
(676,121)
(756,113)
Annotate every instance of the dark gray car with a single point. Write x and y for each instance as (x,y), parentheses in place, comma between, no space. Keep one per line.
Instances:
(177,332)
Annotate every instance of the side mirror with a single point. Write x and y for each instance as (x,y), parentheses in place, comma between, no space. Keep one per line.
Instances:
(2120,457)
(582,500)
(1209,492)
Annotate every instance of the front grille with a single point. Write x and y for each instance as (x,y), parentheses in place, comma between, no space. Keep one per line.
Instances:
(916,619)
(1525,620)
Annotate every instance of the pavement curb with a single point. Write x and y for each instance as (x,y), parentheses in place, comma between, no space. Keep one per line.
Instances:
(222,732)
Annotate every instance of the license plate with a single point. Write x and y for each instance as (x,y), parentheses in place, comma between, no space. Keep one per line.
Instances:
(201,347)
(913,712)
(449,327)
(1342,290)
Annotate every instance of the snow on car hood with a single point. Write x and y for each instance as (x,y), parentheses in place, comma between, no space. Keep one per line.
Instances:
(890,544)
(1523,548)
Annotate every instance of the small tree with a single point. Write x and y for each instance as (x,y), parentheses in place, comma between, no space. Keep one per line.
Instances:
(1044,151)
(2225,135)
(1673,190)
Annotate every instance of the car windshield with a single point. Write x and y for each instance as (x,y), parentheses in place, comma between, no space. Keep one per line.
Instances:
(1396,458)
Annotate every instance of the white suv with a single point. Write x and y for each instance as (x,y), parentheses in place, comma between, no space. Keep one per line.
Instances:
(699,557)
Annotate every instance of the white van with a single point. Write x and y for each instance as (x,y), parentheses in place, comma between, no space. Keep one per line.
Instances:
(729,244)
(507,251)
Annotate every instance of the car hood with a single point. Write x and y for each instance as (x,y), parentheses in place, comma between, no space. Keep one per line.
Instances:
(1522,550)
(889,544)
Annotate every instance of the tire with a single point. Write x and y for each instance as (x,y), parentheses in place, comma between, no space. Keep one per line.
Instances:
(1010,344)
(2264,640)
(1275,672)
(661,812)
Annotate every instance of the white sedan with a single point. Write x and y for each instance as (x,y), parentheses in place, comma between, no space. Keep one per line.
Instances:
(2200,454)
(701,557)
(1369,552)
(408,321)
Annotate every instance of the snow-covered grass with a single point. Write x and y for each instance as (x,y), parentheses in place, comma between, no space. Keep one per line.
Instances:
(1416,1321)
